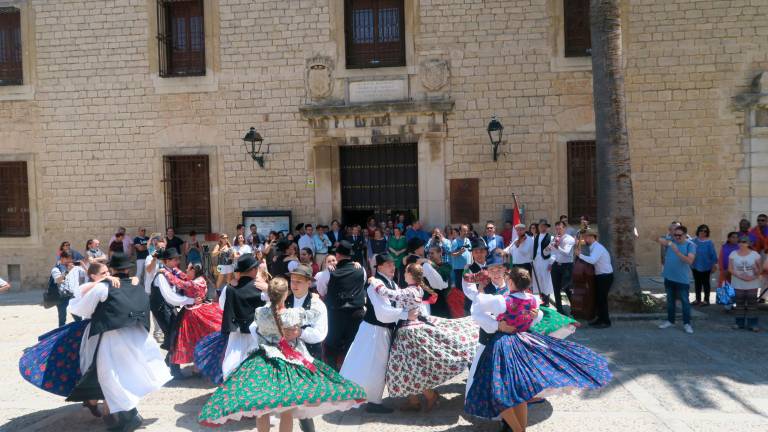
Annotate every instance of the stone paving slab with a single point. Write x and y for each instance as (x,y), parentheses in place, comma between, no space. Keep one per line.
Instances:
(665,380)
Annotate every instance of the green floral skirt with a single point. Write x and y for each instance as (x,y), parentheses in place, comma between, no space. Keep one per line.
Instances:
(264,385)
(555,324)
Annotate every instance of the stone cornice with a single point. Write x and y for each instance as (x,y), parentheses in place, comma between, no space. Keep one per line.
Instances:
(402,107)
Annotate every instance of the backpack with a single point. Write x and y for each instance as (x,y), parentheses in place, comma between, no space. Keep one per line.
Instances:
(51,296)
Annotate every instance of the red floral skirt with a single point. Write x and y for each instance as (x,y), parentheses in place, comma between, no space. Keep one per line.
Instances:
(196,323)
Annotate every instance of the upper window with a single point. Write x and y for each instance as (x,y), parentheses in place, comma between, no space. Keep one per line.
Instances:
(14,200)
(375,33)
(181,37)
(187,193)
(11,71)
(578,41)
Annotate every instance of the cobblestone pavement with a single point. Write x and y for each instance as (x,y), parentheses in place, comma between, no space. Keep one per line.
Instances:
(665,380)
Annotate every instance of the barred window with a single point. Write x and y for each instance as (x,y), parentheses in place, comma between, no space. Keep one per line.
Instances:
(181,38)
(582,179)
(375,33)
(14,200)
(187,193)
(11,70)
(578,39)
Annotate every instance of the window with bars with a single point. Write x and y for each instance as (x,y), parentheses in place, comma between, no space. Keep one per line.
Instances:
(582,181)
(181,38)
(375,33)
(14,200)
(11,70)
(577,36)
(187,193)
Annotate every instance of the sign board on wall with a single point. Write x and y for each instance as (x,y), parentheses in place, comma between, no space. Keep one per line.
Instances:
(268,220)
(465,200)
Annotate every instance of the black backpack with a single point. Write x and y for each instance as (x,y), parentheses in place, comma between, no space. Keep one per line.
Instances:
(51,296)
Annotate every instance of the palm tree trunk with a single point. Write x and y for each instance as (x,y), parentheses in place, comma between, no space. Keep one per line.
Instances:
(615,201)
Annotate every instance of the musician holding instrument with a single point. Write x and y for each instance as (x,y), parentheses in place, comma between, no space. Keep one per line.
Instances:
(601,259)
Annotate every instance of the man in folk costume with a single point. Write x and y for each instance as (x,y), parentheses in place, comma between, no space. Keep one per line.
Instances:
(239,304)
(521,248)
(479,263)
(120,361)
(315,332)
(164,302)
(542,263)
(345,300)
(434,280)
(366,361)
(561,248)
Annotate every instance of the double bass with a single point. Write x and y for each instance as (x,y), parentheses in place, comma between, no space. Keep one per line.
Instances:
(583,299)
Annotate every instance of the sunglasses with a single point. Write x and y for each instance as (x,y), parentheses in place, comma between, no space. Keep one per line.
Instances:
(678,235)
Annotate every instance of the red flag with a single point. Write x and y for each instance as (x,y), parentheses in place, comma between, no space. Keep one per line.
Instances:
(515,212)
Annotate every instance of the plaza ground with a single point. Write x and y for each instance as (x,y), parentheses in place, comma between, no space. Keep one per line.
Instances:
(664,380)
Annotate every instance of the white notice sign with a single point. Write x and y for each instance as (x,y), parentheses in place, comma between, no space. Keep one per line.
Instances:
(378,91)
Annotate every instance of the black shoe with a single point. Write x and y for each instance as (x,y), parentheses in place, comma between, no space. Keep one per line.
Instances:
(307,425)
(111,421)
(600,325)
(176,372)
(505,427)
(375,408)
(594,321)
(132,421)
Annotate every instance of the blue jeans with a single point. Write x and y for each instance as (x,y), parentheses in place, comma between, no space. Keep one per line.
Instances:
(61,308)
(680,290)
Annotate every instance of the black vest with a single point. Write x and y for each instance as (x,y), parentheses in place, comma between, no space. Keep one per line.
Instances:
(315,349)
(485,338)
(474,268)
(540,247)
(240,305)
(346,287)
(370,313)
(124,307)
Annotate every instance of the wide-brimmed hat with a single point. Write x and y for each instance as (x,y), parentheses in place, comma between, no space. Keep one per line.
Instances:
(521,225)
(415,243)
(590,232)
(302,270)
(383,259)
(120,261)
(478,243)
(344,248)
(246,262)
(167,253)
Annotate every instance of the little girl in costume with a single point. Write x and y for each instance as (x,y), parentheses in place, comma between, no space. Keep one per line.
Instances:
(409,298)
(197,321)
(280,378)
(517,365)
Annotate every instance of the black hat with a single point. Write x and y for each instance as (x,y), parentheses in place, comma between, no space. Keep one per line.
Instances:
(167,253)
(246,262)
(383,258)
(544,222)
(302,270)
(410,259)
(344,248)
(494,261)
(478,243)
(415,243)
(120,261)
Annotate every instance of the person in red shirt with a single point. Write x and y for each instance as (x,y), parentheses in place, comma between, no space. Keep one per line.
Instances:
(506,234)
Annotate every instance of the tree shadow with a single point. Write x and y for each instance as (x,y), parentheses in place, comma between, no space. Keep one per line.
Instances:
(73,415)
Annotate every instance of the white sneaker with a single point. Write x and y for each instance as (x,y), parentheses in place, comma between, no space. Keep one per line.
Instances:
(665,324)
(688,329)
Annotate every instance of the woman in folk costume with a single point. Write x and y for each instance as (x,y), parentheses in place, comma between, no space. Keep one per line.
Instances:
(53,364)
(121,363)
(427,351)
(197,321)
(518,365)
(220,353)
(280,378)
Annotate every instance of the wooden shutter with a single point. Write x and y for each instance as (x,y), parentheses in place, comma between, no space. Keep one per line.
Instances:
(181,37)
(582,184)
(465,200)
(11,71)
(14,200)
(578,42)
(187,193)
(375,33)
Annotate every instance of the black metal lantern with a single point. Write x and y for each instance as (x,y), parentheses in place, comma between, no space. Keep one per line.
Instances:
(253,138)
(495,130)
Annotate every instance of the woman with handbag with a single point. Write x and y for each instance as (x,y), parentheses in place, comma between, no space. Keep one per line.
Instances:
(746,267)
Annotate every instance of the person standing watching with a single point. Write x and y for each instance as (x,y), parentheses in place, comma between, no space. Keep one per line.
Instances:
(704,265)
(601,259)
(141,245)
(562,269)
(59,275)
(173,242)
(680,254)
(745,265)
(460,255)
(322,245)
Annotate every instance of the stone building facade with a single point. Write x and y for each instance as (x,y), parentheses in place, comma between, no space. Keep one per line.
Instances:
(99,111)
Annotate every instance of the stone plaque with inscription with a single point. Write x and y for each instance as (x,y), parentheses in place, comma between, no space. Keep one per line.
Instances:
(465,200)
(378,91)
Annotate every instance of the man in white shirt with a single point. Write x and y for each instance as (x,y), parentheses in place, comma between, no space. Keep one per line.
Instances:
(307,240)
(561,248)
(601,259)
(521,249)
(313,334)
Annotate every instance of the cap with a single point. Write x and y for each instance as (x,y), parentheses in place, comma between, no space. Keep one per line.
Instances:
(302,270)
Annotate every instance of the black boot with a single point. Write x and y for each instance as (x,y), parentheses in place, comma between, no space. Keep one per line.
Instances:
(505,427)
(132,421)
(176,372)
(307,425)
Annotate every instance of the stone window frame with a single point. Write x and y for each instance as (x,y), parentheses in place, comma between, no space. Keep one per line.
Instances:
(34,237)
(560,171)
(186,84)
(25,91)
(411,11)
